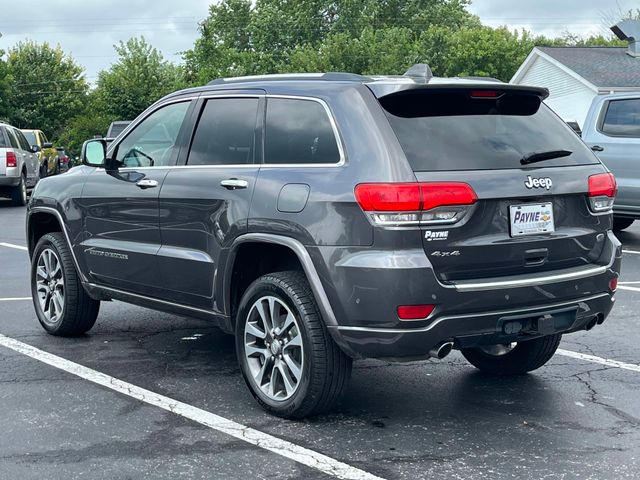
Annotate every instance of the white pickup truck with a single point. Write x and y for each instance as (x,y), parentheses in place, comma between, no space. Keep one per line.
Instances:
(19,165)
(612,130)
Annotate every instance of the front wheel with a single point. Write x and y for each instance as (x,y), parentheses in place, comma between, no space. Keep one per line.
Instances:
(288,359)
(513,358)
(61,303)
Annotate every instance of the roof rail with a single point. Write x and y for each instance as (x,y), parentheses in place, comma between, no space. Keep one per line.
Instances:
(283,77)
(420,72)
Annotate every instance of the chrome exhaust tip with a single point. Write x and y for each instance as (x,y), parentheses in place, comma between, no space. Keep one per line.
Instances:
(441,350)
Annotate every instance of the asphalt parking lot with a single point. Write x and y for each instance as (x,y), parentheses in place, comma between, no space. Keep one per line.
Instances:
(160,393)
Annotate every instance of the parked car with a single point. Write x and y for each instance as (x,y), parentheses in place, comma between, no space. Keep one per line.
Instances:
(612,130)
(64,162)
(47,154)
(327,217)
(19,167)
(116,128)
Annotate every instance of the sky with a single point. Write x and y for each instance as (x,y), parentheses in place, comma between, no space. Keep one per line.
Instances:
(88,29)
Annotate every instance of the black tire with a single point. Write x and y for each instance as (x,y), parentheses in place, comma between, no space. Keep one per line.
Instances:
(57,169)
(326,370)
(79,311)
(620,223)
(524,357)
(19,193)
(44,170)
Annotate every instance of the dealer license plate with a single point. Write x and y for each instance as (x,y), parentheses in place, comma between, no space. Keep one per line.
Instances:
(531,219)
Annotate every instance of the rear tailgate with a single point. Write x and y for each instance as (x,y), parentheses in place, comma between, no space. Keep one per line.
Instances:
(527,217)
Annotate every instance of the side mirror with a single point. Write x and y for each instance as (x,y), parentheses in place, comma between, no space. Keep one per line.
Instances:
(35,148)
(94,152)
(47,145)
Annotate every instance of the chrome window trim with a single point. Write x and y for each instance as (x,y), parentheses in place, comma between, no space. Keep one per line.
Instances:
(396,331)
(215,95)
(334,127)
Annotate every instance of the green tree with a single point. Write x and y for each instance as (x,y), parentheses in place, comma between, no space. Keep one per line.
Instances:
(303,35)
(46,86)
(139,77)
(4,88)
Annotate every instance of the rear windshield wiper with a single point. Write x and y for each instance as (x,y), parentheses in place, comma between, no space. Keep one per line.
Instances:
(534,157)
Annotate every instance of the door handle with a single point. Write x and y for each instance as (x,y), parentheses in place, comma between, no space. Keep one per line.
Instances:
(147,183)
(597,148)
(234,184)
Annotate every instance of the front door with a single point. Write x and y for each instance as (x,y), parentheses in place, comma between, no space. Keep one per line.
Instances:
(204,204)
(120,204)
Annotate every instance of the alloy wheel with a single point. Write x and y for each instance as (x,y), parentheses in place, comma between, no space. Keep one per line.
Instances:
(273,348)
(50,285)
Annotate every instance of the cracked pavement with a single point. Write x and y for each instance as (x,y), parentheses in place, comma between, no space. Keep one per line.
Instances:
(571,419)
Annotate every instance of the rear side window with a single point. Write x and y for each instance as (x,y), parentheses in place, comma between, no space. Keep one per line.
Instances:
(13,140)
(465,130)
(299,132)
(622,118)
(3,140)
(225,133)
(23,141)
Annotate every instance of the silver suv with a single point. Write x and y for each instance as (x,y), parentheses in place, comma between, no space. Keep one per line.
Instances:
(18,165)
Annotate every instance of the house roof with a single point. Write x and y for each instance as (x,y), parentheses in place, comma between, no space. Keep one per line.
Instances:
(602,66)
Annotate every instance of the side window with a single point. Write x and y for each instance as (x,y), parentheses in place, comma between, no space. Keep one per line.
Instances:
(24,145)
(43,138)
(299,131)
(225,133)
(13,140)
(152,143)
(622,118)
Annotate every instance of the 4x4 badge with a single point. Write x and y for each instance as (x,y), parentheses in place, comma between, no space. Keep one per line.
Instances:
(538,182)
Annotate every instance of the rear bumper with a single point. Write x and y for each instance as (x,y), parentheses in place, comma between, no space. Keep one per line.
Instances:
(469,314)
(9,179)
(475,329)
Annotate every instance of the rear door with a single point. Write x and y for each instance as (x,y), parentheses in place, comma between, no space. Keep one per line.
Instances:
(527,217)
(617,140)
(120,206)
(30,158)
(204,204)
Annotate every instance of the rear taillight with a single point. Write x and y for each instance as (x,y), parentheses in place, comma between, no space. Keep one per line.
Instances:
(602,191)
(408,204)
(12,161)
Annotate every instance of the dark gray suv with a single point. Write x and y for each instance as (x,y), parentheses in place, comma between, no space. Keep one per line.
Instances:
(327,217)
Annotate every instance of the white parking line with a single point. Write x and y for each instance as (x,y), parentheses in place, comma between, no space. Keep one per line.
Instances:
(631,251)
(600,360)
(632,289)
(260,439)
(11,245)
(15,299)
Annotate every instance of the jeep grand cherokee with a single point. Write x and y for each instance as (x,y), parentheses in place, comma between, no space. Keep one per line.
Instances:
(325,217)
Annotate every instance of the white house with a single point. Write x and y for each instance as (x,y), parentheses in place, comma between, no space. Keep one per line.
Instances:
(575,75)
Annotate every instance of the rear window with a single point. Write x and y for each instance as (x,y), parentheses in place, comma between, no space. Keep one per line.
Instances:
(3,140)
(622,118)
(466,130)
